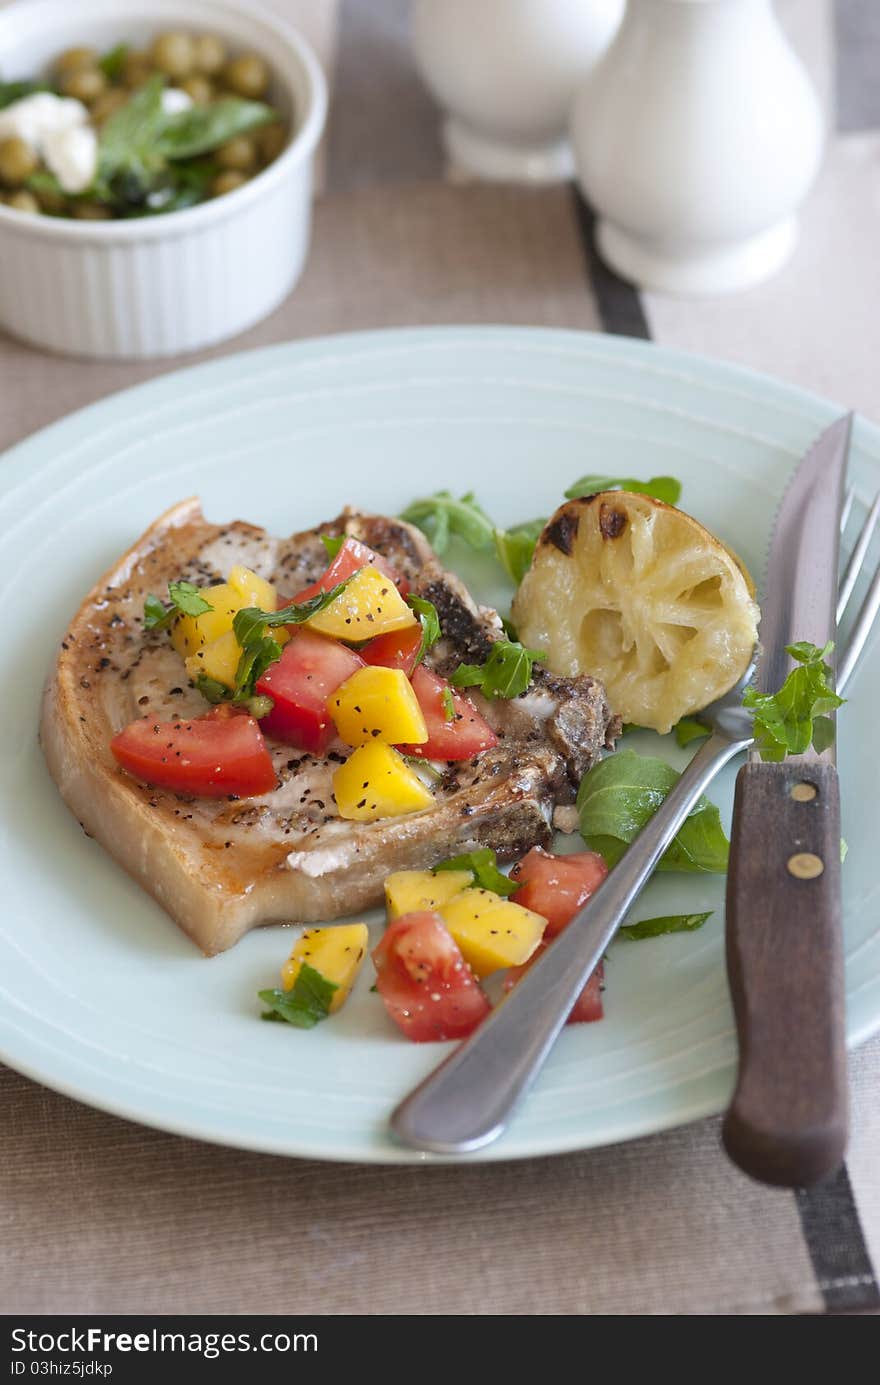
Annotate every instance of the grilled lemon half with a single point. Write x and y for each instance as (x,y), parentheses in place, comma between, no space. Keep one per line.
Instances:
(640,595)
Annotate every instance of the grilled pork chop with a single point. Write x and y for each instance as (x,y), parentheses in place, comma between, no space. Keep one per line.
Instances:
(219,867)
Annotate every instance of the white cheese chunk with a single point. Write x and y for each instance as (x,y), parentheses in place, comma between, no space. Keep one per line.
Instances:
(57,129)
(72,155)
(174,101)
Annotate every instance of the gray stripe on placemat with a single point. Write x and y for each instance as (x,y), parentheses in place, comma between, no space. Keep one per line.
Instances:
(619,303)
(384,127)
(857,38)
(836,1244)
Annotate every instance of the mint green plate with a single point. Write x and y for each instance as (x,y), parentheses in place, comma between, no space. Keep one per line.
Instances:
(100,996)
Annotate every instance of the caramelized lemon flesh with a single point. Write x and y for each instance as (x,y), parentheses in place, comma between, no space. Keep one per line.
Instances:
(641,596)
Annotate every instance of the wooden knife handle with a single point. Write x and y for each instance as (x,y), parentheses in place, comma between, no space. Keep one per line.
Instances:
(787,1122)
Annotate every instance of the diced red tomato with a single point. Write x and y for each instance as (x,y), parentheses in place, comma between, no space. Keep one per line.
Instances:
(557,886)
(352,556)
(398,650)
(460,738)
(213,756)
(587,1007)
(427,987)
(311,667)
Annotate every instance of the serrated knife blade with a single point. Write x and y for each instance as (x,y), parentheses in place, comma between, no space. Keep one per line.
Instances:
(800,588)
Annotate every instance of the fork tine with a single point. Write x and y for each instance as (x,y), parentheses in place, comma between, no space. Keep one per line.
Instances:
(860,632)
(846,508)
(857,558)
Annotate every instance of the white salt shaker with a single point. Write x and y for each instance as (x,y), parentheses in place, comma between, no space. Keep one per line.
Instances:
(696,139)
(505,73)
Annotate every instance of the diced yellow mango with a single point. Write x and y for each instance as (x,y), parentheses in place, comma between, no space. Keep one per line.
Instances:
(410,891)
(370,605)
(191,633)
(376,782)
(337,953)
(492,932)
(218,660)
(254,590)
(378,704)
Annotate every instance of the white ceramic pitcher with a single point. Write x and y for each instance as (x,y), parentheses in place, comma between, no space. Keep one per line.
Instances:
(696,139)
(505,73)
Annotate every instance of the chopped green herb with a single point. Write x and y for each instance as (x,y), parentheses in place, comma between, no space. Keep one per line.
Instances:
(689,729)
(332,543)
(186,599)
(506,673)
(418,763)
(483,866)
(671,923)
(430,622)
(664,488)
(620,794)
(305,1004)
(787,722)
(448,704)
(844,850)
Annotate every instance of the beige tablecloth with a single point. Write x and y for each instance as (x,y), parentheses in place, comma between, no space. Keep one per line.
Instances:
(100,1215)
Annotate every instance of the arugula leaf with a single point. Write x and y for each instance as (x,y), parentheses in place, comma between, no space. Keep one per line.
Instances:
(506,673)
(186,599)
(788,721)
(441,515)
(483,867)
(516,546)
(670,923)
(332,543)
(844,850)
(448,704)
(259,649)
(621,793)
(111,62)
(665,488)
(201,129)
(430,623)
(689,729)
(211,688)
(305,1004)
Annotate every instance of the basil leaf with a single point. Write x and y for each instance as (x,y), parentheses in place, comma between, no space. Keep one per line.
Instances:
(482,865)
(441,515)
(128,153)
(665,488)
(430,623)
(111,63)
(201,129)
(16,91)
(305,1004)
(670,923)
(506,673)
(186,599)
(689,729)
(332,544)
(787,722)
(621,793)
(448,702)
(516,546)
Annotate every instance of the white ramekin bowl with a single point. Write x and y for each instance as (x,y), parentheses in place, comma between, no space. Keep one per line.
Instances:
(165,284)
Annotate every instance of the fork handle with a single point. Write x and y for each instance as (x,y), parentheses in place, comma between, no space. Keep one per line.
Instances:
(787,1123)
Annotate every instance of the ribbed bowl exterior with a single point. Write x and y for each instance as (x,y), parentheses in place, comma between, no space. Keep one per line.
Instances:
(165,285)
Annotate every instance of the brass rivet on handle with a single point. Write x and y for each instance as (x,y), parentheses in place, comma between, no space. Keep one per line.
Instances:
(805,866)
(803,792)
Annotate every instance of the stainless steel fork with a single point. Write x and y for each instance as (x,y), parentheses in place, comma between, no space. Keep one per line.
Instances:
(467,1101)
